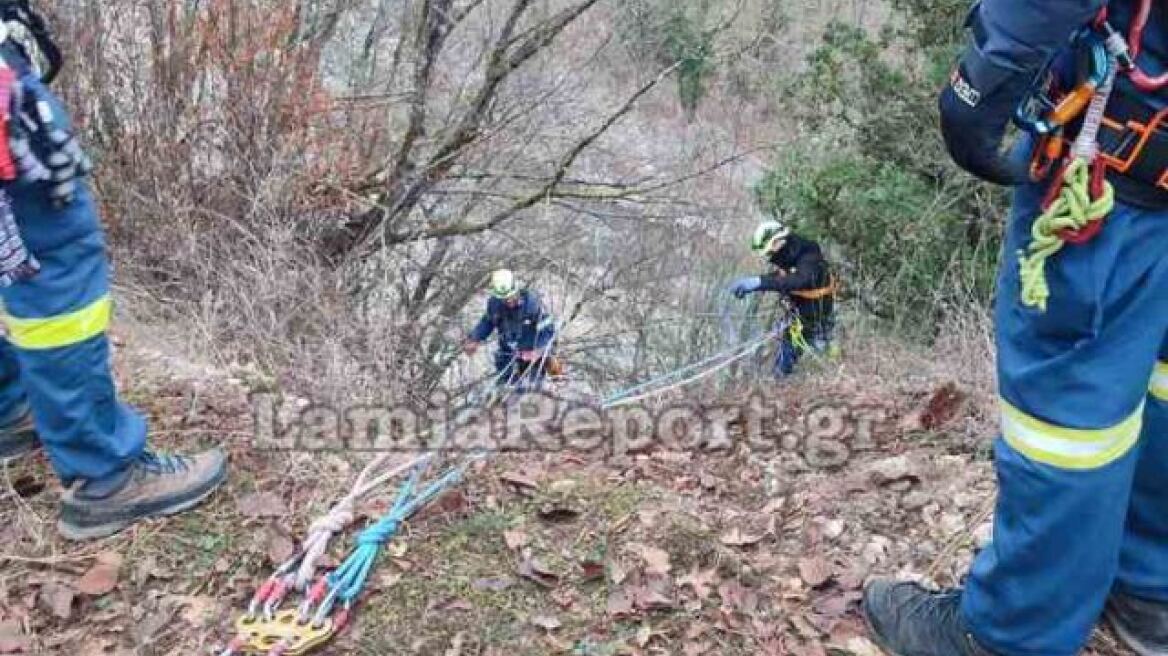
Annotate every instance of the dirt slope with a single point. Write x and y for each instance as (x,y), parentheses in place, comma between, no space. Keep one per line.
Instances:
(730,551)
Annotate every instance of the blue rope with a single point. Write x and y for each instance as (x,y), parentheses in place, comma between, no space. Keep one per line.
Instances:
(347,581)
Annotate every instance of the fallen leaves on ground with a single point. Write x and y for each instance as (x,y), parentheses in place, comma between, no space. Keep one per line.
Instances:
(515,539)
(534,570)
(815,571)
(656,560)
(102,577)
(261,505)
(736,537)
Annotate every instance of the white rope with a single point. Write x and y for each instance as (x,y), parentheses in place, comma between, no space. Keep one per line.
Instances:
(342,514)
(747,350)
(1087,143)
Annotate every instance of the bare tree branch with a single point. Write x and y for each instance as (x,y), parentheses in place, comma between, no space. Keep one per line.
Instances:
(405,187)
(434,232)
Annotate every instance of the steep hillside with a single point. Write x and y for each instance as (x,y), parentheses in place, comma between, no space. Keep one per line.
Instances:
(712,550)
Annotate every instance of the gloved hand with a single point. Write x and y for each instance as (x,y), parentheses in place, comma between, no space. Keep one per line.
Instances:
(39,148)
(529,355)
(745,285)
(470,347)
(976,107)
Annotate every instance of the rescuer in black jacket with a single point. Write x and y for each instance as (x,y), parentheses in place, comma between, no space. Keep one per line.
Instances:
(802,273)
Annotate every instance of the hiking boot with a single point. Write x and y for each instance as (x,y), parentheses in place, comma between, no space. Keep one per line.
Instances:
(905,619)
(1141,624)
(154,485)
(18,437)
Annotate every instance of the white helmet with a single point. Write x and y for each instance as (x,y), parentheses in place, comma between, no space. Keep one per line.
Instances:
(768,237)
(502,284)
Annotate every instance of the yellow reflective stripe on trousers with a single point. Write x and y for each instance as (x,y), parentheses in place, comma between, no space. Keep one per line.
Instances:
(61,330)
(1069,448)
(1160,381)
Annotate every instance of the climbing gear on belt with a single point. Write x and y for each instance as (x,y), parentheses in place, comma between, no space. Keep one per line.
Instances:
(1141,79)
(1044,114)
(795,335)
(34,146)
(1047,117)
(1080,196)
(21,13)
(16,263)
(502,284)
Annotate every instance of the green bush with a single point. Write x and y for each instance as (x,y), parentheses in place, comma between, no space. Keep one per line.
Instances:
(914,236)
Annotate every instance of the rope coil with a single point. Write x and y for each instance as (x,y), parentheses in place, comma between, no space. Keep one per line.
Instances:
(1084,198)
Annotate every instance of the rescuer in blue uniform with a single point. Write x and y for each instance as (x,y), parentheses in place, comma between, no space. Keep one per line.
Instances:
(1081,524)
(55,384)
(524,328)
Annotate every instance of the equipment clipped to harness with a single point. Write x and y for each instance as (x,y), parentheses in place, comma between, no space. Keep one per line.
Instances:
(1080,197)
(21,13)
(16,262)
(1141,79)
(1046,114)
(1075,214)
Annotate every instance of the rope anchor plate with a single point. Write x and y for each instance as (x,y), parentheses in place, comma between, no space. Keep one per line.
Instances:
(284,629)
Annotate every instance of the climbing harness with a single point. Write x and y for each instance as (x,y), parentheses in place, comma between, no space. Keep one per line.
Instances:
(1133,142)
(831,289)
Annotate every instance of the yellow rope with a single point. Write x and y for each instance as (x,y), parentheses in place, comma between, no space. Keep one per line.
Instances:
(1074,209)
(795,334)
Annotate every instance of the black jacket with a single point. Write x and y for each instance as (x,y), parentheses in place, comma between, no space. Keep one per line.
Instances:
(800,266)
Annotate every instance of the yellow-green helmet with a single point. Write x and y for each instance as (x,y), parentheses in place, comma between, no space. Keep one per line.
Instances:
(502,284)
(767,236)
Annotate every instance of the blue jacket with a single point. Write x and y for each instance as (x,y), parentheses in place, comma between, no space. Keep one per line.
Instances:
(525,327)
(1023,34)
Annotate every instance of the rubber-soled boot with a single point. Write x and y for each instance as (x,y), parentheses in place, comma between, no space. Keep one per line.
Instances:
(154,485)
(18,437)
(1141,624)
(905,619)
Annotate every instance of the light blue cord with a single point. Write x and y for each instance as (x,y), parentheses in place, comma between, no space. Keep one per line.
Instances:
(348,580)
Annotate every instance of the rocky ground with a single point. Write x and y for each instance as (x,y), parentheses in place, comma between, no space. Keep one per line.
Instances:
(729,551)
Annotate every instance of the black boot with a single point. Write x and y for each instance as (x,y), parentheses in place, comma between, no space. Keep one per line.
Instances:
(905,619)
(1141,624)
